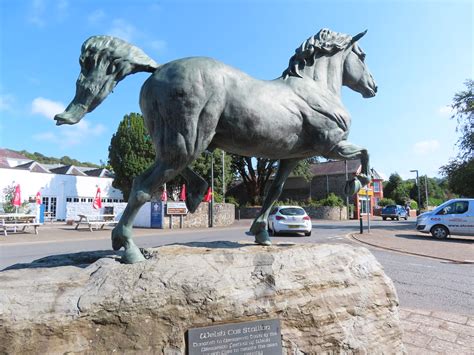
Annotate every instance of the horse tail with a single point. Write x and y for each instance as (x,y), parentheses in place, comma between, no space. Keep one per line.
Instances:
(104,62)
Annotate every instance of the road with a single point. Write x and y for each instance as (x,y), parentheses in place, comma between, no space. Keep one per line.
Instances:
(421,283)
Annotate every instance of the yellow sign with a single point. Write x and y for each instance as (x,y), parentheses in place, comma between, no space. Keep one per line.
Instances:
(365,192)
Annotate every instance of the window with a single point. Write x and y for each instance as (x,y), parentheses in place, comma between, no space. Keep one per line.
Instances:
(76,199)
(68,199)
(376,185)
(458,207)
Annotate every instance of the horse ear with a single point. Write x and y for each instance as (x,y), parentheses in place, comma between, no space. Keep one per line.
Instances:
(358,36)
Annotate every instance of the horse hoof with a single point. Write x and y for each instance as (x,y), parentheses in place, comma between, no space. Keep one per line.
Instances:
(352,187)
(194,197)
(132,255)
(263,238)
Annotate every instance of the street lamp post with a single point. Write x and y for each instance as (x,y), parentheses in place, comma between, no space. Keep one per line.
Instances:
(418,188)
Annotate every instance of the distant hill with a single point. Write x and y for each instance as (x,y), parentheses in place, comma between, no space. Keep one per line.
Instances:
(40,158)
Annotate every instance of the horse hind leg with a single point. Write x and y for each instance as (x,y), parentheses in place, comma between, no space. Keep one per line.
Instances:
(144,187)
(197,187)
(259,225)
(345,150)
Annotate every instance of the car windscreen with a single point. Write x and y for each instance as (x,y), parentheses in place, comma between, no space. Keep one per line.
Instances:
(292,211)
(390,208)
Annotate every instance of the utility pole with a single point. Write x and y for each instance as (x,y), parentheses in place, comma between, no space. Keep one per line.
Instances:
(223,177)
(418,188)
(426,190)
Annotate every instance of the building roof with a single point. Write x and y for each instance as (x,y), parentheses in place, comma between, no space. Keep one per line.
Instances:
(99,172)
(7,153)
(33,166)
(68,170)
(336,167)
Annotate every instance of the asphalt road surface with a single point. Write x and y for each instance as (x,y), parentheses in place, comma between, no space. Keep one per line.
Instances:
(421,283)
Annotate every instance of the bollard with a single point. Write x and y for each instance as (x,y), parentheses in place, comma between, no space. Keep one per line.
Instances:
(361,225)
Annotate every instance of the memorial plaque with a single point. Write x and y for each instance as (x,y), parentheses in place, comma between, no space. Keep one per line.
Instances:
(261,337)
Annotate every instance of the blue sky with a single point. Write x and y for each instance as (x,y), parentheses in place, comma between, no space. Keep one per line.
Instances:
(419,52)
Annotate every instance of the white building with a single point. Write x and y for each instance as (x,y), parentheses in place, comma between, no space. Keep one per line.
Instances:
(57,184)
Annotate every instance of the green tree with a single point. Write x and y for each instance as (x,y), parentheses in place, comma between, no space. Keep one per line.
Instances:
(256,173)
(460,171)
(130,152)
(397,189)
(202,166)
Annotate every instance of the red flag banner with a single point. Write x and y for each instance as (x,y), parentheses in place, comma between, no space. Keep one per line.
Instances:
(208,195)
(164,196)
(97,200)
(182,195)
(38,198)
(17,196)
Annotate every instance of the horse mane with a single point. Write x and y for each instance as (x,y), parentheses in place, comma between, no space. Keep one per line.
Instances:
(127,58)
(325,42)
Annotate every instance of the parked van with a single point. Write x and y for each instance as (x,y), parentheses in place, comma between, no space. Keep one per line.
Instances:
(454,217)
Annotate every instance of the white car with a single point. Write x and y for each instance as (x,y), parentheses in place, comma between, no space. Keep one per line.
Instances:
(454,217)
(289,219)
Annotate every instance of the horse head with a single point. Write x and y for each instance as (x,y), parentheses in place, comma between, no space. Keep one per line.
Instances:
(356,75)
(104,61)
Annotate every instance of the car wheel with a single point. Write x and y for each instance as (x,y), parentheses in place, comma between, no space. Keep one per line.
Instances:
(384,218)
(307,234)
(439,232)
(406,218)
(398,218)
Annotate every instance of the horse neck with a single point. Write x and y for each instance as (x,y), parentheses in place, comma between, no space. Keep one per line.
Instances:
(327,72)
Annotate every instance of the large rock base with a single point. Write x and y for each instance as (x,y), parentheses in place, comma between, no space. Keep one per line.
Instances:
(329,298)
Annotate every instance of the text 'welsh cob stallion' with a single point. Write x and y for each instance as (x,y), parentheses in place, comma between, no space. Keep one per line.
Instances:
(193,104)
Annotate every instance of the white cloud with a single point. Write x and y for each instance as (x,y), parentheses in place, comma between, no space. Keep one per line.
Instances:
(68,136)
(47,108)
(445,111)
(123,30)
(426,147)
(36,13)
(158,45)
(42,12)
(96,17)
(6,102)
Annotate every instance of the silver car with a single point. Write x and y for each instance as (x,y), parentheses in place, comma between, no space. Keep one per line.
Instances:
(454,217)
(289,219)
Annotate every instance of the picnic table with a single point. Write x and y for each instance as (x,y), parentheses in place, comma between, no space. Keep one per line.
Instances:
(14,221)
(48,216)
(96,220)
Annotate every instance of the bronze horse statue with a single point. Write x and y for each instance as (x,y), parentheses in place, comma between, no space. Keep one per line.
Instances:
(195,104)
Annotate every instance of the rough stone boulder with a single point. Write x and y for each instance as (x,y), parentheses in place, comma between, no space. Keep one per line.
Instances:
(329,298)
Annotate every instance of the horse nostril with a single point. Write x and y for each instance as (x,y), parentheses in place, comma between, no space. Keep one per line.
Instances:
(375,89)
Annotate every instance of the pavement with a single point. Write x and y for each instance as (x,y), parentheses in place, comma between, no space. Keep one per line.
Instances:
(424,331)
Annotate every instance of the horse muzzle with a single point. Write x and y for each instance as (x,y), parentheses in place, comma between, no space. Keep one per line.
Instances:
(72,115)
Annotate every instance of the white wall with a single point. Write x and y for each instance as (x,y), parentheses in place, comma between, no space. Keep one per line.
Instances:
(56,185)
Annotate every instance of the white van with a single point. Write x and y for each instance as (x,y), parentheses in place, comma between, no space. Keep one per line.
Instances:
(454,217)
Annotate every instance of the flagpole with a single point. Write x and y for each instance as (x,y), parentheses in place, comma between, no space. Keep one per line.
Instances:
(212,189)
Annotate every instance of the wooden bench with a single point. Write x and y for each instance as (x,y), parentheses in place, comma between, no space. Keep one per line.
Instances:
(97,221)
(14,221)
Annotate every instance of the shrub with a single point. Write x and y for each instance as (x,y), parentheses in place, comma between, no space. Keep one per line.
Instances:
(386,201)
(332,201)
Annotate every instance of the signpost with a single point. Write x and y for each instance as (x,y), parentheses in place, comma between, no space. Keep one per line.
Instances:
(156,215)
(176,208)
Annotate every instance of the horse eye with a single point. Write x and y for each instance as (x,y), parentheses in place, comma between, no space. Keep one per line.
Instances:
(111,68)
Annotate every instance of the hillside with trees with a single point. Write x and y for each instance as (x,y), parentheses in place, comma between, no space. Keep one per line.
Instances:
(65,160)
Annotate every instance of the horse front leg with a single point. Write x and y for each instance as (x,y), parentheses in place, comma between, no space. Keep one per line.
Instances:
(259,225)
(144,187)
(345,150)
